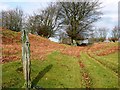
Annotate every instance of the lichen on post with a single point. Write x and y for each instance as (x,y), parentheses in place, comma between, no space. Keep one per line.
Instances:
(26,58)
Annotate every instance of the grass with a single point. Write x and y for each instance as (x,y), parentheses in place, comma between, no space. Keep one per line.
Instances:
(10,76)
(57,71)
(101,76)
(113,58)
(60,71)
(110,60)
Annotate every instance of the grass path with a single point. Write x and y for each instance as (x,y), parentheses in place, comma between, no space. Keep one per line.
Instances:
(104,61)
(101,76)
(86,79)
(110,61)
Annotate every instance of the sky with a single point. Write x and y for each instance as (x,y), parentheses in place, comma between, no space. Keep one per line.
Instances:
(109,19)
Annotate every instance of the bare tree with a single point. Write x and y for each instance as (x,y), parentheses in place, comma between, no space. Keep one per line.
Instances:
(12,19)
(102,32)
(45,21)
(115,33)
(78,16)
(31,24)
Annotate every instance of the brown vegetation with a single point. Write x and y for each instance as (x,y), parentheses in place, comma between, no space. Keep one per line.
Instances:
(40,47)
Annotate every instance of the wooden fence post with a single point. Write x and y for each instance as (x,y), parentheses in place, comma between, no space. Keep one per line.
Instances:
(26,58)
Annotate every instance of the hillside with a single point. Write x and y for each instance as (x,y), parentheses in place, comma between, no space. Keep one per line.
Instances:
(39,46)
(59,66)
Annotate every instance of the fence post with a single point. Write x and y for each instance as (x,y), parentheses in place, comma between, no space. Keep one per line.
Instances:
(26,58)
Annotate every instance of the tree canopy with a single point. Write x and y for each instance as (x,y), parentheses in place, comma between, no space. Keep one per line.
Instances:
(78,17)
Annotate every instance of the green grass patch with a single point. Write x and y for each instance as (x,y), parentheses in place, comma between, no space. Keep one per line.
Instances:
(10,76)
(101,76)
(57,71)
(110,61)
(113,58)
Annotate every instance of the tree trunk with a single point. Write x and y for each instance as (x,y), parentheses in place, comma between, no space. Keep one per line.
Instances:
(26,58)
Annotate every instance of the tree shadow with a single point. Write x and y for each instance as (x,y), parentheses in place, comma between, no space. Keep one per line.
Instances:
(40,75)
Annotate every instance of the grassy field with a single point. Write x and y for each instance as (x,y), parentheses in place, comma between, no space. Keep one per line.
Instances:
(101,76)
(56,71)
(106,56)
(56,65)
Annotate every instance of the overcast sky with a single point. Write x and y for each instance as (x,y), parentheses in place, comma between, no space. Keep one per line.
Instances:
(109,8)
